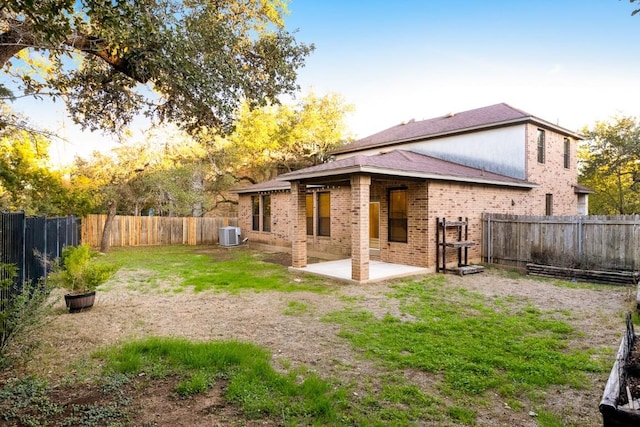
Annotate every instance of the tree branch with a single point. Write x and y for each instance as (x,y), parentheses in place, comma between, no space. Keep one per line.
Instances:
(19,37)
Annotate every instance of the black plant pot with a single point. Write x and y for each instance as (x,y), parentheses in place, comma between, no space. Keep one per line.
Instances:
(80,302)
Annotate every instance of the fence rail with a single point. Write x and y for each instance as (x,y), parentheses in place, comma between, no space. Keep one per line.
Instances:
(155,230)
(605,242)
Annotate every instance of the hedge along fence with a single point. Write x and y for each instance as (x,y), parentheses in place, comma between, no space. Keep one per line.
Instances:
(155,230)
(587,242)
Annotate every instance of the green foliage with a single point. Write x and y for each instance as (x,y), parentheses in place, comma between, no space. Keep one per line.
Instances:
(79,272)
(22,312)
(26,179)
(16,395)
(26,402)
(287,137)
(609,165)
(176,61)
(474,345)
(251,381)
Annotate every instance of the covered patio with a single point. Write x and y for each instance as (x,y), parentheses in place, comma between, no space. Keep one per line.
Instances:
(399,182)
(378,270)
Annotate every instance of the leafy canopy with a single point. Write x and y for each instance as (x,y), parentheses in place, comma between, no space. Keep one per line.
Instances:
(287,137)
(188,62)
(610,164)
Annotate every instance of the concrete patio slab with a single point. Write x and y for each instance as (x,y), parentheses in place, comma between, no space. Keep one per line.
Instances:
(378,270)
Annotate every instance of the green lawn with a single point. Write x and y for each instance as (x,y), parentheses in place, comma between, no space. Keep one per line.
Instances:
(230,270)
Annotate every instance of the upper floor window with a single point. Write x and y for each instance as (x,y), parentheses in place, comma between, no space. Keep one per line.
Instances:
(266,213)
(255,213)
(567,153)
(540,146)
(398,214)
(324,214)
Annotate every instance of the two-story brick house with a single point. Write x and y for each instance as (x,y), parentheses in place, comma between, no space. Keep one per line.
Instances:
(381,195)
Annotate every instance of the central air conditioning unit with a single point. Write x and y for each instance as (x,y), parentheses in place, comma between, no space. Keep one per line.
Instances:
(229,236)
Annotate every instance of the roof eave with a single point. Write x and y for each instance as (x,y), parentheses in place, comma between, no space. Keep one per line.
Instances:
(408,174)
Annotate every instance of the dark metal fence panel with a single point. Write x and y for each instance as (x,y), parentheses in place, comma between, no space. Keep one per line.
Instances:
(31,243)
(12,247)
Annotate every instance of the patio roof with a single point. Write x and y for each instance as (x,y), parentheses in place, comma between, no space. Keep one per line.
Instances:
(493,116)
(401,163)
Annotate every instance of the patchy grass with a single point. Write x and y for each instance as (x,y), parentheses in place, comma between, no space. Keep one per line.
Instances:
(509,348)
(296,308)
(299,397)
(211,269)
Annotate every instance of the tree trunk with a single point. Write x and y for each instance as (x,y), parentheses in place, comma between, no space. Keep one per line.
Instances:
(197,186)
(106,231)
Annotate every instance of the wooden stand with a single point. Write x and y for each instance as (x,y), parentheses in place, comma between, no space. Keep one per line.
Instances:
(462,244)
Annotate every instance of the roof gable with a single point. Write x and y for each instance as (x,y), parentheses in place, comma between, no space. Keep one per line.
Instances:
(450,124)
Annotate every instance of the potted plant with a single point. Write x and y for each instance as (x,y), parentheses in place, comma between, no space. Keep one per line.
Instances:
(80,275)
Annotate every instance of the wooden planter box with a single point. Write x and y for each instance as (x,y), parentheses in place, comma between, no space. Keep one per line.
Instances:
(615,392)
(592,276)
(80,302)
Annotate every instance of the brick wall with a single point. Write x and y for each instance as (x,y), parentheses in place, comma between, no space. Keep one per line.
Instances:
(338,243)
(280,234)
(552,176)
(414,251)
(340,240)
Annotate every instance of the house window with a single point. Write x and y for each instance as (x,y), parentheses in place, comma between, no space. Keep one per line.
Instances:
(548,204)
(324,214)
(567,153)
(266,213)
(309,214)
(398,215)
(540,146)
(255,213)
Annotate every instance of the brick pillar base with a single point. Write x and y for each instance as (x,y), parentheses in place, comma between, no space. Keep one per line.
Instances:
(360,186)
(299,225)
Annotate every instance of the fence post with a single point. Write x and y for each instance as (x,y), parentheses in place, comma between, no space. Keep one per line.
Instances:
(489,245)
(580,236)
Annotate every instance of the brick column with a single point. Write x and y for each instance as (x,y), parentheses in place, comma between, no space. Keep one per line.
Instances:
(360,186)
(298,225)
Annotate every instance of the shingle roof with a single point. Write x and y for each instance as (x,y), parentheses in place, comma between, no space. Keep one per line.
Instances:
(400,163)
(486,117)
(273,185)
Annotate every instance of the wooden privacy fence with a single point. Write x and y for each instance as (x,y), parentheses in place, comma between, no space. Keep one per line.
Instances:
(155,230)
(595,242)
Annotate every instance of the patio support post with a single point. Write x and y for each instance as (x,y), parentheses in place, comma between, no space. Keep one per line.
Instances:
(299,225)
(360,188)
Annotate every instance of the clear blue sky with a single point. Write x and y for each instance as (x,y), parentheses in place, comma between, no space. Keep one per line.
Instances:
(567,61)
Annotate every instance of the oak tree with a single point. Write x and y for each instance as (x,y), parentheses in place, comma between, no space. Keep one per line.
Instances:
(610,164)
(191,62)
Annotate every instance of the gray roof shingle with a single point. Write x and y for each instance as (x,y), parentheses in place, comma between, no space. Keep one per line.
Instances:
(400,163)
(485,117)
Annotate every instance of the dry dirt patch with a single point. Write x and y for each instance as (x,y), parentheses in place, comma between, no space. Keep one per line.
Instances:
(125,312)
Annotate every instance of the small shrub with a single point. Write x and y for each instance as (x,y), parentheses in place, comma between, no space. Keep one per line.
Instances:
(78,272)
(21,310)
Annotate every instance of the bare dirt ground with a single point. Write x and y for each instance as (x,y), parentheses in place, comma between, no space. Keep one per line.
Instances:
(129,309)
